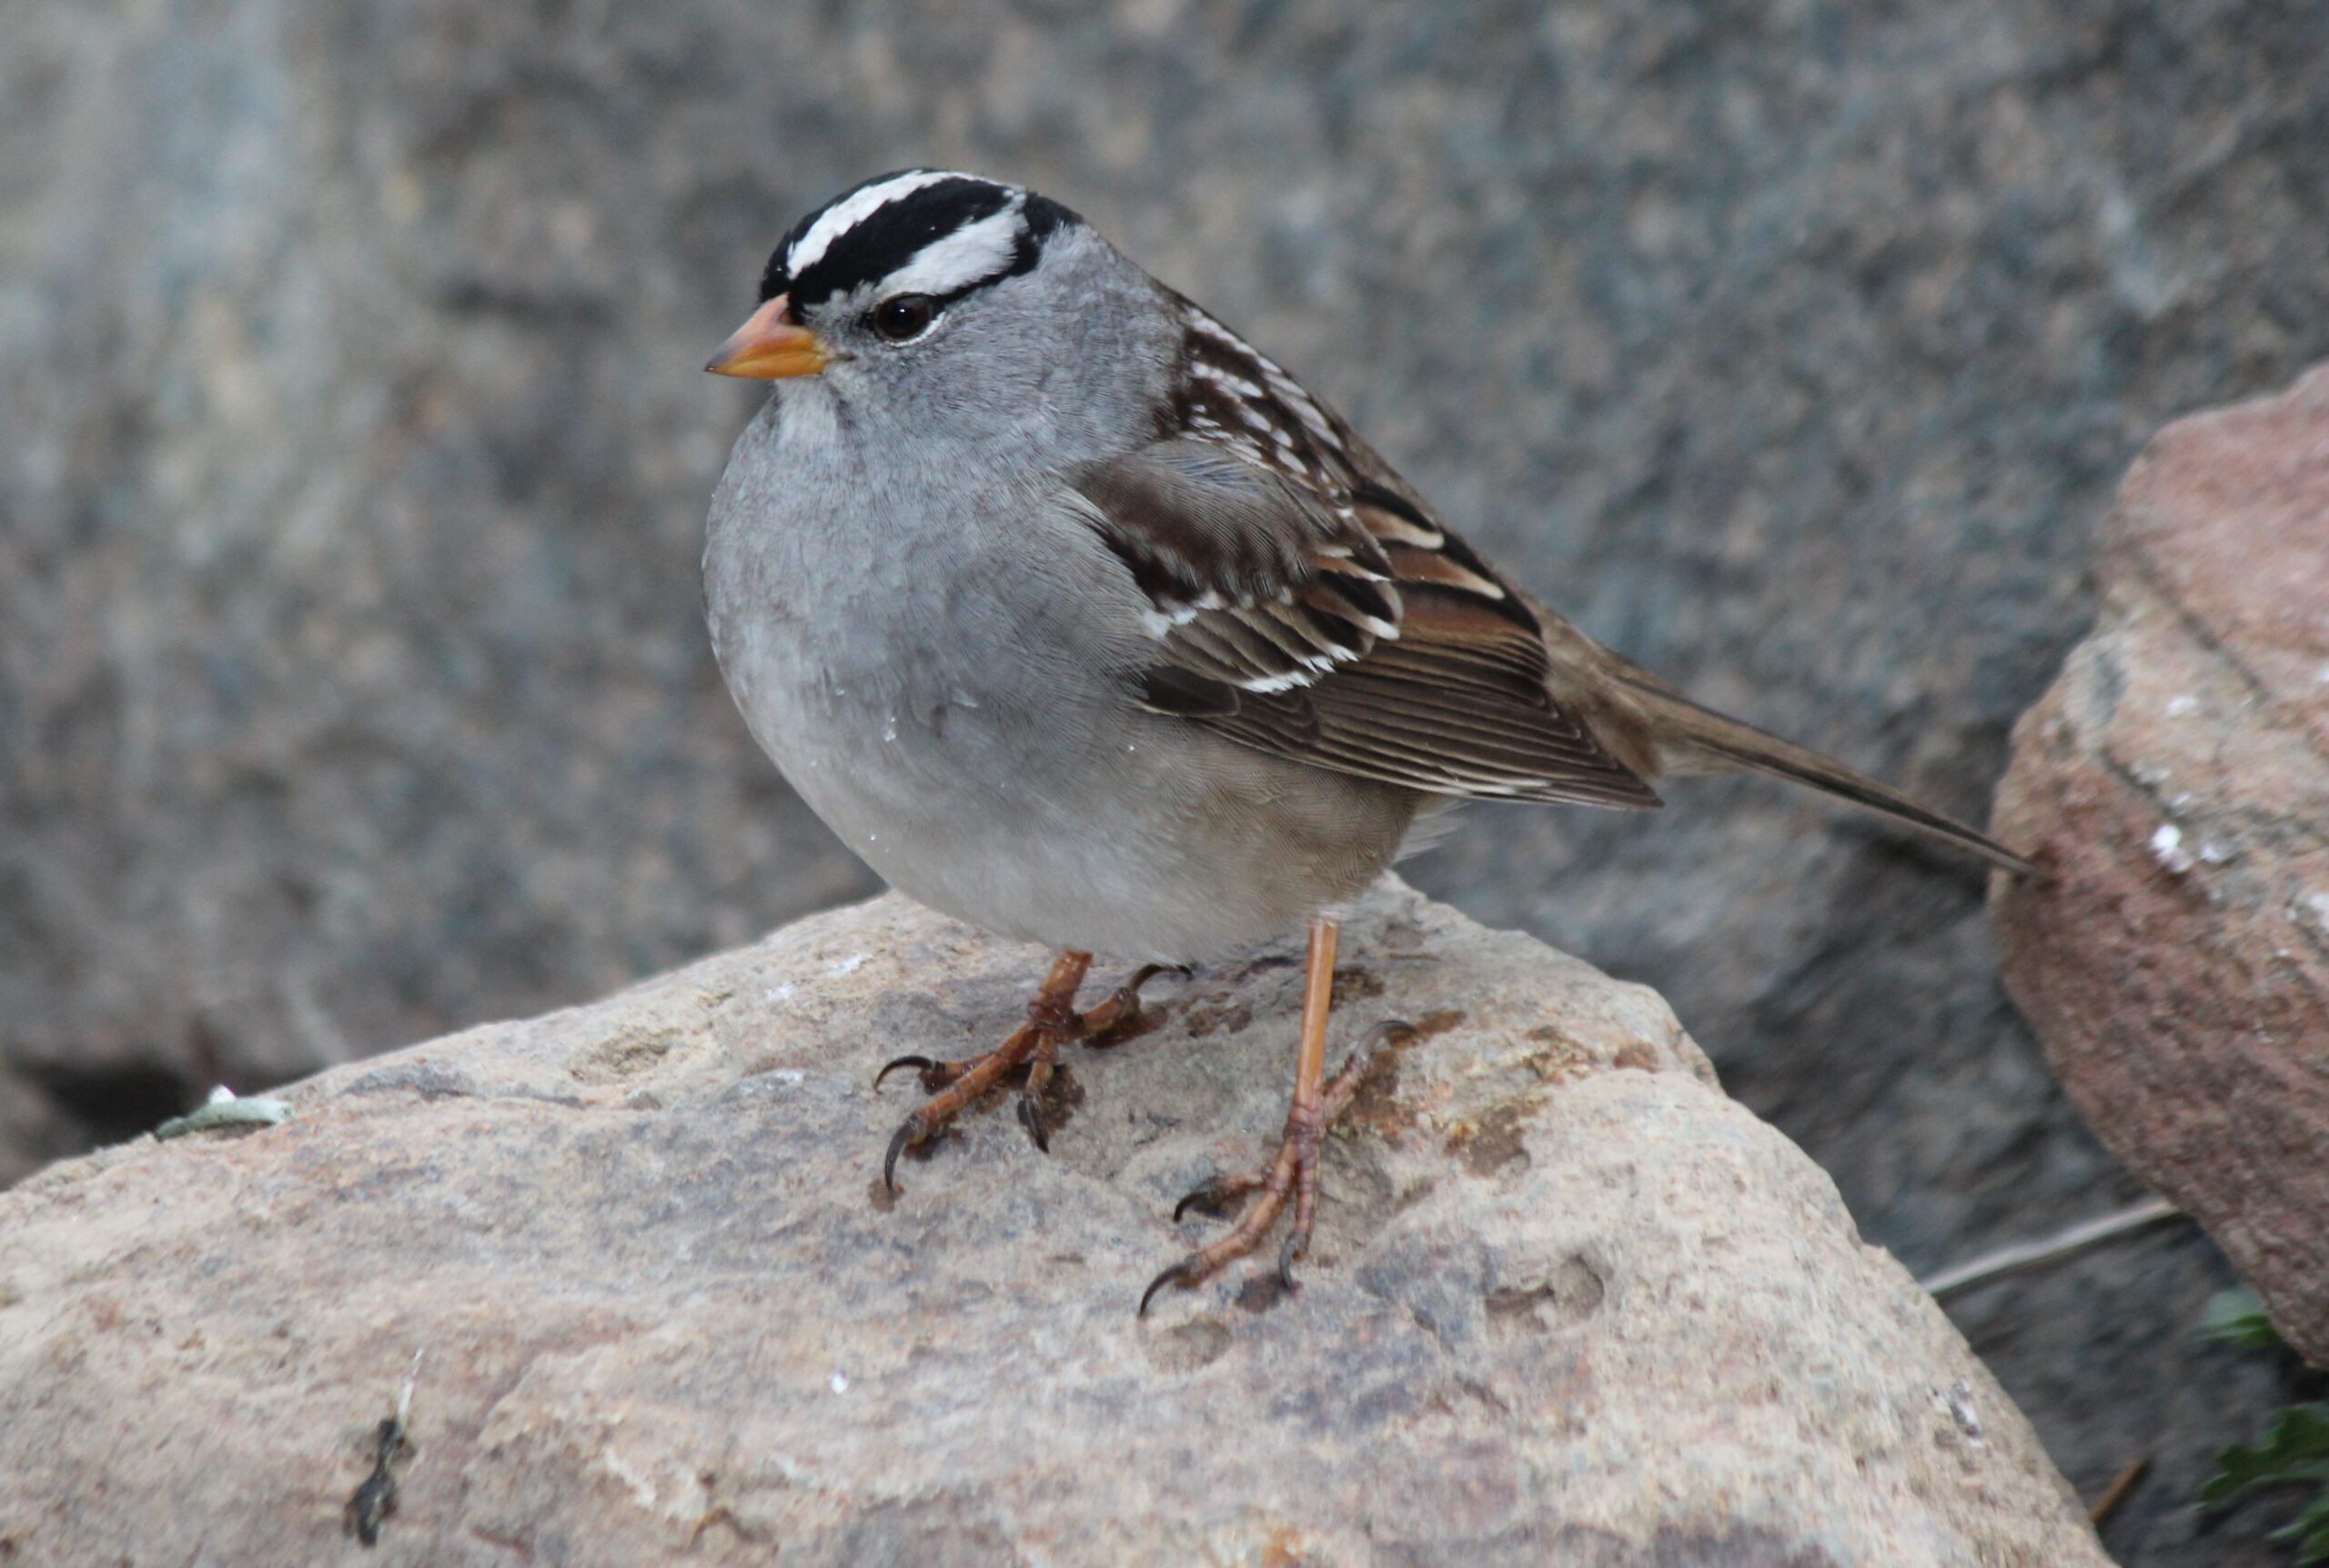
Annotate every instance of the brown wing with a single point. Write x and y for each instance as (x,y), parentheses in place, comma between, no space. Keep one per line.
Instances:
(1351,632)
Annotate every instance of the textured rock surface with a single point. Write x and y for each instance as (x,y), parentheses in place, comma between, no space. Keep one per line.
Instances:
(351,685)
(2177,776)
(1568,1304)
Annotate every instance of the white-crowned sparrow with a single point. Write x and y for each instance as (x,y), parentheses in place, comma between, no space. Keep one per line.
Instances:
(1082,621)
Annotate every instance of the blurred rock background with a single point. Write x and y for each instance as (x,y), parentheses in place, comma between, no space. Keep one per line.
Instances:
(353,457)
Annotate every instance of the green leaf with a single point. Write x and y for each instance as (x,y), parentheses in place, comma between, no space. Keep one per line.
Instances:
(2315,1524)
(2237,1317)
(2295,1449)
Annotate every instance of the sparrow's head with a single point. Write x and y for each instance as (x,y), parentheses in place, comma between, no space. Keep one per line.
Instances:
(940,294)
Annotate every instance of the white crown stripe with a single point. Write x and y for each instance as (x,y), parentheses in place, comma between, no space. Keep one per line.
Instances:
(847,214)
(970,253)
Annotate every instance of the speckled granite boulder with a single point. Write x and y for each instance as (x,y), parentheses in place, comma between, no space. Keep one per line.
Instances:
(1568,1304)
(2177,779)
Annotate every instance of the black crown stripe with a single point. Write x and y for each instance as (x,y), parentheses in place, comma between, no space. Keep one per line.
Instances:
(894,233)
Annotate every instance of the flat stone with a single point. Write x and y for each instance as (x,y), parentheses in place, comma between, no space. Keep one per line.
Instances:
(1567,1303)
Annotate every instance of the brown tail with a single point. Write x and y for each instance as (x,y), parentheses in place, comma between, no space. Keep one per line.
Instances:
(1692,739)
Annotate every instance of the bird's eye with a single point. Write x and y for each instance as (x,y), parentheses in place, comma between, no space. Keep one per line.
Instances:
(904,316)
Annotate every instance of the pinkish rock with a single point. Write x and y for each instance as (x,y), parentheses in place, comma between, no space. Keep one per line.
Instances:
(2176,778)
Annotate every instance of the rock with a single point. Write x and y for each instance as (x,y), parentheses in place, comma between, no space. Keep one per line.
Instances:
(1568,1302)
(352,686)
(2177,776)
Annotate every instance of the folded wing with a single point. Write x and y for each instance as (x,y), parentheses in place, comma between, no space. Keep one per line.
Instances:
(1354,633)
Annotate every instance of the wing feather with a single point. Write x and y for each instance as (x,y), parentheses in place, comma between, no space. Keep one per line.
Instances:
(1351,632)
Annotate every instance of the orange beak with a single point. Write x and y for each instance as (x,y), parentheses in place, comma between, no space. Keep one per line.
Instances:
(768,347)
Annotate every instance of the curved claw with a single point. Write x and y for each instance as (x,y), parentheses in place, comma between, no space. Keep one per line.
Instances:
(1286,1254)
(1204,1195)
(1031,1119)
(919,1063)
(1188,1274)
(898,1142)
(1213,1195)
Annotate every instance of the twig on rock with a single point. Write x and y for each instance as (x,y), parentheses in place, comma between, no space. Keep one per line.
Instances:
(2116,1492)
(2063,1244)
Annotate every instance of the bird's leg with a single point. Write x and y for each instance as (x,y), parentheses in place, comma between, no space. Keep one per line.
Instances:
(1052,1022)
(1053,1016)
(1292,1173)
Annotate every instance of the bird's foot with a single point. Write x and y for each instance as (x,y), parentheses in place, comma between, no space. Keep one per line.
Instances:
(1051,1021)
(1290,1178)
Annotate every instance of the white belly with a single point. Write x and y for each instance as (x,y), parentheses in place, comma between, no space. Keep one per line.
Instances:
(1160,843)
